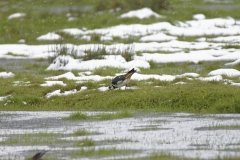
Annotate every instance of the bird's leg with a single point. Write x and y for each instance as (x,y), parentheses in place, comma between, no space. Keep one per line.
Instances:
(126,87)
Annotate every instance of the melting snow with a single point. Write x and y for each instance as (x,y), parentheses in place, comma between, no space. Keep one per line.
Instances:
(141,14)
(17,15)
(6,74)
(49,37)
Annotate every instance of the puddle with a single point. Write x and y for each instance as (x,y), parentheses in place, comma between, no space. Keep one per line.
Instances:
(184,134)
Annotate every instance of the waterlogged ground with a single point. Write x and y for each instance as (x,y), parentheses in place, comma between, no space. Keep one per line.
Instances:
(22,134)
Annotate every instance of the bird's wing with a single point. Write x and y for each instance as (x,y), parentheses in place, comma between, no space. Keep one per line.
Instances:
(118,79)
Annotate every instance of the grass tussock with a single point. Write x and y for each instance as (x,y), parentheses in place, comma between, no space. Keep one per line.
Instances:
(104,116)
(32,139)
(76,116)
(84,132)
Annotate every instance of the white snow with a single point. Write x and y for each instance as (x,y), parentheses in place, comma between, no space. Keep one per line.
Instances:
(141,14)
(69,63)
(212,78)
(51,83)
(159,37)
(199,16)
(49,37)
(226,39)
(226,72)
(2,98)
(16,15)
(65,93)
(6,74)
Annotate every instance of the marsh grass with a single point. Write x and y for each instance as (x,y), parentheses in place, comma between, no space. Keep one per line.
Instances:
(99,53)
(84,132)
(32,139)
(104,116)
(236,46)
(77,116)
(118,115)
(62,50)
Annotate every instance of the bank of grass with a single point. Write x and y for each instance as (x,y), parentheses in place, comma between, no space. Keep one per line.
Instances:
(194,96)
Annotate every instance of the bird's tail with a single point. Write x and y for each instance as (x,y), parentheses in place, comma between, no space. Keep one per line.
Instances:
(130,73)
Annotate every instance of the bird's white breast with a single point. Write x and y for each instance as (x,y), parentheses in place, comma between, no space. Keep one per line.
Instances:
(123,83)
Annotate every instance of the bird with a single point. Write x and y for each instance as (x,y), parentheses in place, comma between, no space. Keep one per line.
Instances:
(122,80)
(39,155)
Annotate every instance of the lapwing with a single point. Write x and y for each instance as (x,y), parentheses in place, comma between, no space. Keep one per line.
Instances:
(122,80)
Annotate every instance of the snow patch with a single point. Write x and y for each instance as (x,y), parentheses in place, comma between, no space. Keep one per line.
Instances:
(17,15)
(141,14)
(49,37)
(6,74)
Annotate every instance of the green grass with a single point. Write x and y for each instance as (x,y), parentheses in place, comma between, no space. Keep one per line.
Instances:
(83,132)
(195,96)
(118,115)
(106,71)
(104,116)
(77,116)
(236,46)
(32,139)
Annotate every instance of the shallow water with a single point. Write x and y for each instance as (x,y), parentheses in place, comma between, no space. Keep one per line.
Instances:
(181,134)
